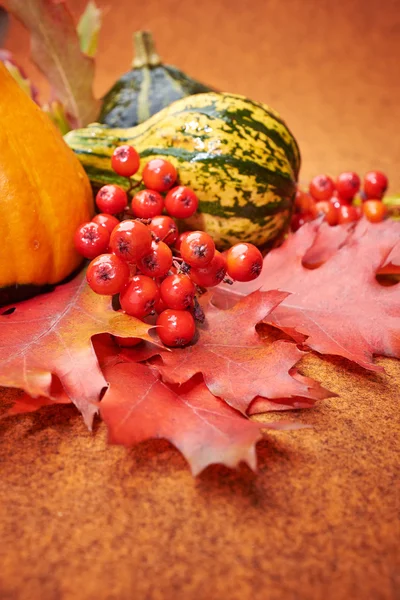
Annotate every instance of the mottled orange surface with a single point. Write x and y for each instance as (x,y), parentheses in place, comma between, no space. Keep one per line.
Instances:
(79,520)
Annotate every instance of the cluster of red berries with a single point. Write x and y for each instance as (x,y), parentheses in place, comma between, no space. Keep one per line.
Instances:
(136,251)
(343,201)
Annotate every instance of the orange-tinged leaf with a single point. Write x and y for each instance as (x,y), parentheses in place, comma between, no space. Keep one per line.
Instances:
(236,362)
(51,335)
(315,393)
(337,306)
(110,353)
(138,406)
(4,25)
(27,404)
(56,51)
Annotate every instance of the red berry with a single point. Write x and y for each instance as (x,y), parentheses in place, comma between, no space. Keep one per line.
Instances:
(91,239)
(159,175)
(359,212)
(107,274)
(374,210)
(347,185)
(299,219)
(157,262)
(160,305)
(180,239)
(108,221)
(175,327)
(347,214)
(322,187)
(181,202)
(127,342)
(139,297)
(131,240)
(147,204)
(178,291)
(329,210)
(375,185)
(197,249)
(132,269)
(244,262)
(125,161)
(111,199)
(165,229)
(212,274)
(339,201)
(305,203)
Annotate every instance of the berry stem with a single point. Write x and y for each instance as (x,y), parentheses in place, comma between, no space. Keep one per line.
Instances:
(180,265)
(167,234)
(199,290)
(197,311)
(228,280)
(128,214)
(133,185)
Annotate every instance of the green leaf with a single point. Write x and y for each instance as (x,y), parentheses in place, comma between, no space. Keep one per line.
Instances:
(89,28)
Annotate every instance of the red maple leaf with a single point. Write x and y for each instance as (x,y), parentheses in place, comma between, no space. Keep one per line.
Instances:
(328,240)
(138,406)
(110,354)
(315,392)
(50,336)
(24,403)
(337,306)
(27,404)
(237,364)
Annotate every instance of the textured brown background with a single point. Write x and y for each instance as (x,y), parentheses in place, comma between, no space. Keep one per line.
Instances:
(320,520)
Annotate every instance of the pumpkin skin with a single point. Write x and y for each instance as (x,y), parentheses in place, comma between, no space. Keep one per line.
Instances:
(44,195)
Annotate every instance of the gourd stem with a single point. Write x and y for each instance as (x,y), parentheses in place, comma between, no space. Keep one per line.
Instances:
(145,50)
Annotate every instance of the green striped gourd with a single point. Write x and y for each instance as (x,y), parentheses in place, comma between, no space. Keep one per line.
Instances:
(147,88)
(237,155)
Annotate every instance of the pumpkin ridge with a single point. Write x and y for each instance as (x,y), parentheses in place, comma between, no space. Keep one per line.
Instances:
(44,196)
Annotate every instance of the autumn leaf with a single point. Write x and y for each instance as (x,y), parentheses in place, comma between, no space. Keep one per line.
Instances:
(4,24)
(27,404)
(109,353)
(337,306)
(315,393)
(236,363)
(50,336)
(88,28)
(139,406)
(17,73)
(328,240)
(56,51)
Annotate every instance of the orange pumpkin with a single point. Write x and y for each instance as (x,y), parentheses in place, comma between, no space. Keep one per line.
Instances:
(44,194)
